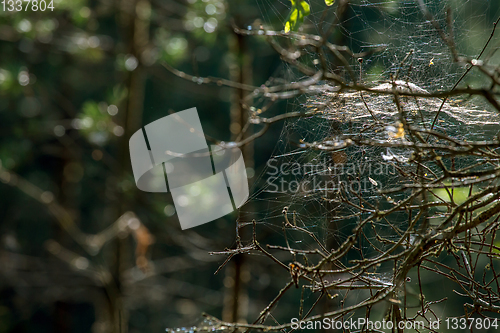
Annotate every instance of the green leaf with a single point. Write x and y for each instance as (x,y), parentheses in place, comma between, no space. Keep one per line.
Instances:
(460,194)
(329,2)
(299,10)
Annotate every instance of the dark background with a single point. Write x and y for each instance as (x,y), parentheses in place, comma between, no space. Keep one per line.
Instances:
(60,142)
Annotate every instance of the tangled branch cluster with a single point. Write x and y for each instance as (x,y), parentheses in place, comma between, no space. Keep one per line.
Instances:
(447,188)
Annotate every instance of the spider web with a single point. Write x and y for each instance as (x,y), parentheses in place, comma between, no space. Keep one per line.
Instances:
(310,182)
(320,191)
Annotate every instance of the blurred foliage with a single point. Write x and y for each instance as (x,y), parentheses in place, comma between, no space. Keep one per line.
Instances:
(300,9)
(66,85)
(66,80)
